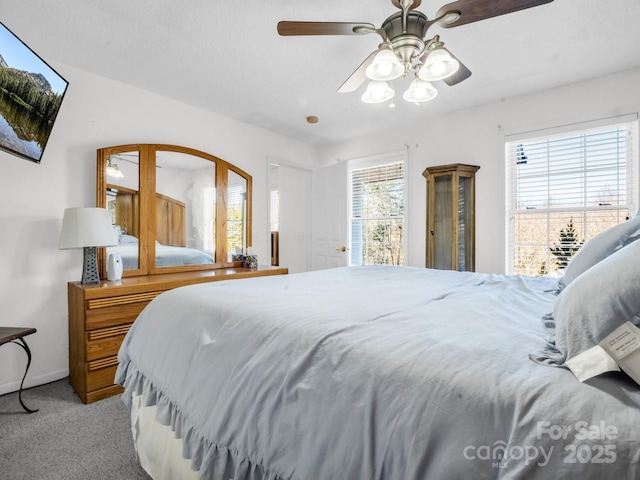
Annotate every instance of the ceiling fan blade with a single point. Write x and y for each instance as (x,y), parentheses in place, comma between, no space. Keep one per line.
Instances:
(320,28)
(462,74)
(476,10)
(358,77)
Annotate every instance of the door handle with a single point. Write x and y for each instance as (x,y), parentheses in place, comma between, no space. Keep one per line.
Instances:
(341,249)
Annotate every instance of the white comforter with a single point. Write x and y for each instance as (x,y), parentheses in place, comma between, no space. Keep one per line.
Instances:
(365,373)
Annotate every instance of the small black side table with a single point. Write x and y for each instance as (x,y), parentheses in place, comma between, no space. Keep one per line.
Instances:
(16,335)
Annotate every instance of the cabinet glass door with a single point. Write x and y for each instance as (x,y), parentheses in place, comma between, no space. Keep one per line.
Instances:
(465,229)
(443,221)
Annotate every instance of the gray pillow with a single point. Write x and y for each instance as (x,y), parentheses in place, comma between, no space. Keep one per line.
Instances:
(597,302)
(600,247)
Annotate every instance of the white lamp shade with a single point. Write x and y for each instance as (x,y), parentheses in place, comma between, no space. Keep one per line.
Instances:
(377,92)
(438,65)
(86,227)
(420,91)
(385,66)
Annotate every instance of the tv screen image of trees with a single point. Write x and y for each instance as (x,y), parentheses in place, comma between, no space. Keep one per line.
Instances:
(30,96)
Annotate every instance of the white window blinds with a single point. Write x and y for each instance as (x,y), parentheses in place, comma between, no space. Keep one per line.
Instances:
(274,206)
(236,218)
(565,188)
(377,214)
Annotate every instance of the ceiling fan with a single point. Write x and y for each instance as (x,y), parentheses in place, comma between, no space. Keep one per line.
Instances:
(405,47)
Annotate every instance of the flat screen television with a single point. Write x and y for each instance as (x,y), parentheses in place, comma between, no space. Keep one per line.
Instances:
(31,93)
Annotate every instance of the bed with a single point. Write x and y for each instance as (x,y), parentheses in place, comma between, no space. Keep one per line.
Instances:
(166,255)
(376,373)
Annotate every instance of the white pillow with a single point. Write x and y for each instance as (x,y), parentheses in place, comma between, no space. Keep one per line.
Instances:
(118,231)
(124,239)
(597,302)
(600,247)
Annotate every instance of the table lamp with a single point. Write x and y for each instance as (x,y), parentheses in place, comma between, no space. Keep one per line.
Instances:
(87,228)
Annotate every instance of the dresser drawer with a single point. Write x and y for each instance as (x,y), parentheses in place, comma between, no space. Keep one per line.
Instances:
(105,342)
(106,317)
(101,373)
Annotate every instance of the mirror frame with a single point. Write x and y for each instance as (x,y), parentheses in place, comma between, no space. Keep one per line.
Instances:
(147,195)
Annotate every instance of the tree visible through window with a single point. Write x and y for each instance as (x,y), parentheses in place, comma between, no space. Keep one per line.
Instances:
(377,215)
(236,217)
(564,189)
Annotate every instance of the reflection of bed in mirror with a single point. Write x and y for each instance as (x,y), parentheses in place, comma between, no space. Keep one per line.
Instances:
(170,246)
(166,255)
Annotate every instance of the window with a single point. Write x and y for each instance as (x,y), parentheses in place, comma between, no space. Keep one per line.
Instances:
(377,232)
(565,188)
(236,215)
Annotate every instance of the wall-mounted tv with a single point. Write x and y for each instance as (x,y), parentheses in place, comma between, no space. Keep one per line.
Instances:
(30,96)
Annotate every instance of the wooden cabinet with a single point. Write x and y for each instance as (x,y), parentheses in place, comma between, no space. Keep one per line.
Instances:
(451,217)
(100,316)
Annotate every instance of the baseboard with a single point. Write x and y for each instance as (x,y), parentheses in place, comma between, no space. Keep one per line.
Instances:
(34,381)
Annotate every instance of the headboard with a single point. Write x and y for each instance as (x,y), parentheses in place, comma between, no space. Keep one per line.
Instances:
(170,218)
(170,226)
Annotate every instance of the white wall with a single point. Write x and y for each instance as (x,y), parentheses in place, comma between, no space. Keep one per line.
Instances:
(476,136)
(97,112)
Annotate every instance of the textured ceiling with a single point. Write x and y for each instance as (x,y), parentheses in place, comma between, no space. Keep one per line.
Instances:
(227,57)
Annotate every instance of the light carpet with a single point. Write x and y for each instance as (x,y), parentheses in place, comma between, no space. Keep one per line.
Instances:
(65,439)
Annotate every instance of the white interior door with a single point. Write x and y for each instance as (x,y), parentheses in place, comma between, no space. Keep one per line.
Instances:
(329,247)
(294,185)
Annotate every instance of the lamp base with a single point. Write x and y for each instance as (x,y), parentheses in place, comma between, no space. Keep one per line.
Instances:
(90,266)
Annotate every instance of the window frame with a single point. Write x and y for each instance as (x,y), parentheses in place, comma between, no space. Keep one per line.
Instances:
(376,161)
(632,171)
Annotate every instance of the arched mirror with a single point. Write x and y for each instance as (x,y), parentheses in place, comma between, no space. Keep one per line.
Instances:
(173,208)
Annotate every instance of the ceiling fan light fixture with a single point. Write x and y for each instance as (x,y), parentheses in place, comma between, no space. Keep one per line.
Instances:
(377,92)
(113,170)
(385,66)
(420,91)
(438,66)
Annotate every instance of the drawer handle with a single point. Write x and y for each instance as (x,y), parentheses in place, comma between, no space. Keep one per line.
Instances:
(102,363)
(109,302)
(108,332)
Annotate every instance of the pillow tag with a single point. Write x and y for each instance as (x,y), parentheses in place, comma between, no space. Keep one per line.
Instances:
(619,350)
(623,345)
(592,362)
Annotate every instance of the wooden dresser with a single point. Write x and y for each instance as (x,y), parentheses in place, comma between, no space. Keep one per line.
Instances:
(100,315)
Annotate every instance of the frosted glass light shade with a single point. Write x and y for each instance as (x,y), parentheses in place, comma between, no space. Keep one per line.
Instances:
(113,170)
(86,227)
(377,92)
(385,66)
(420,91)
(438,65)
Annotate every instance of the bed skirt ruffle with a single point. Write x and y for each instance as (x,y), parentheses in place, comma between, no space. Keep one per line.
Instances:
(211,460)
